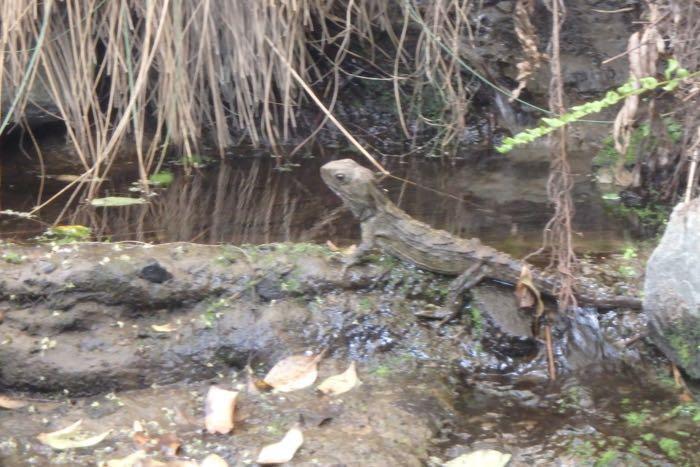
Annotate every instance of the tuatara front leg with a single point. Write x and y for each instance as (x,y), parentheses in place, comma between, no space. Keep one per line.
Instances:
(465,281)
(368,232)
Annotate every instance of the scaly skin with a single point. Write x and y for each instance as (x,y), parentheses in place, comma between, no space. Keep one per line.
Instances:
(390,229)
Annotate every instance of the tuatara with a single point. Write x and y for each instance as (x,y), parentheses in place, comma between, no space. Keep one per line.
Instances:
(390,229)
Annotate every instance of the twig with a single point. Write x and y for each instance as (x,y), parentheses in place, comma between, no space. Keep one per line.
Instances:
(551,367)
(325,110)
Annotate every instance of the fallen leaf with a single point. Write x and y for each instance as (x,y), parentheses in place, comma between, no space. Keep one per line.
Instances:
(218,410)
(255,385)
(284,450)
(166,444)
(113,201)
(212,460)
(129,461)
(335,248)
(11,404)
(69,438)
(163,327)
(481,458)
(528,295)
(295,372)
(341,383)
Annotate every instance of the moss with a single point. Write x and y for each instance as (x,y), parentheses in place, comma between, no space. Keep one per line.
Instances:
(229,255)
(12,257)
(607,458)
(291,285)
(582,449)
(477,321)
(681,338)
(671,447)
(213,311)
(365,304)
(635,419)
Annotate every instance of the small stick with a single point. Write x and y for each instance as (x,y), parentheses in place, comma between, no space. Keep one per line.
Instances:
(550,353)
(325,110)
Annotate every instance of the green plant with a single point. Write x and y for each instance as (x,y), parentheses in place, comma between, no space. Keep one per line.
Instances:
(66,234)
(477,321)
(635,419)
(671,447)
(674,74)
(12,257)
(162,178)
(607,458)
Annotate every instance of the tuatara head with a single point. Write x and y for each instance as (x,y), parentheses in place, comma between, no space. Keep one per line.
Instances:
(355,185)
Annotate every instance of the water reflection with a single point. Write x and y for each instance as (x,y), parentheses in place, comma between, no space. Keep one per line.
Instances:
(501,200)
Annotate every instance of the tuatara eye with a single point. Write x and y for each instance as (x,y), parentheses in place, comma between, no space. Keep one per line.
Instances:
(340,177)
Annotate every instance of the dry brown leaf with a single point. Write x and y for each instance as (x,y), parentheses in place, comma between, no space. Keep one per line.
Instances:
(11,404)
(69,438)
(255,385)
(168,327)
(295,372)
(338,384)
(527,36)
(212,460)
(218,409)
(527,293)
(284,450)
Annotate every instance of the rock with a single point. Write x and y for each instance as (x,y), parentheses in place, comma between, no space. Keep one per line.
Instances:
(40,108)
(672,289)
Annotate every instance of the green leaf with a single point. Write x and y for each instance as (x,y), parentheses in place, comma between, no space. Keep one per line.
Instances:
(612,98)
(112,201)
(649,82)
(670,68)
(553,122)
(162,178)
(671,85)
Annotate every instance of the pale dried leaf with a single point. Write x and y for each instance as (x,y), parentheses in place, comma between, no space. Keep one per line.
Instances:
(481,458)
(295,372)
(132,460)
(11,404)
(219,407)
(212,460)
(338,384)
(168,327)
(69,438)
(528,295)
(332,246)
(283,451)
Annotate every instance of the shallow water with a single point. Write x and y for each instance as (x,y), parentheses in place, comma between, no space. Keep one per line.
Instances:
(253,199)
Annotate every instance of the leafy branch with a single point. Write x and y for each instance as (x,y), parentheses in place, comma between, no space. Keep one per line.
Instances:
(674,74)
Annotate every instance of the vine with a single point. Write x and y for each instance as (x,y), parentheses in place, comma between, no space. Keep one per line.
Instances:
(673,74)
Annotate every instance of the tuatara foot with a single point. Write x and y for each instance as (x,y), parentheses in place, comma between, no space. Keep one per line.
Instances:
(464,281)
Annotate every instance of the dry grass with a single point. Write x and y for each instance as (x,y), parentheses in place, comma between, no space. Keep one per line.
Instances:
(159,73)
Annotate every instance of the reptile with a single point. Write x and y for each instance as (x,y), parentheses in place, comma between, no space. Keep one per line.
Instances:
(393,231)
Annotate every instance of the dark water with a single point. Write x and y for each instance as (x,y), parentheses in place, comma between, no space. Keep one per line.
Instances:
(253,199)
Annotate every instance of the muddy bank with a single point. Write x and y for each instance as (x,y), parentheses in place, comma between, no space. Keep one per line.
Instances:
(85,317)
(89,318)
(113,333)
